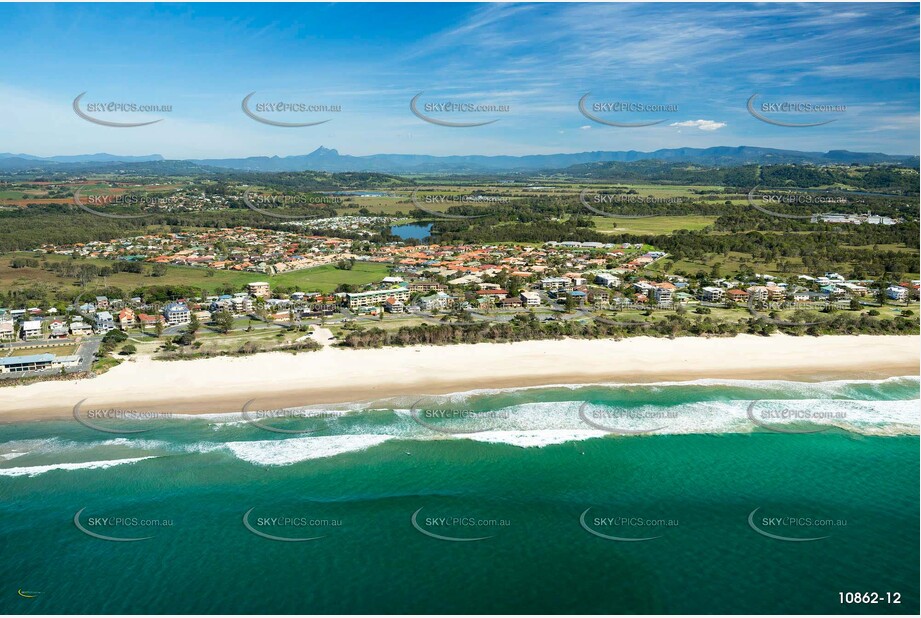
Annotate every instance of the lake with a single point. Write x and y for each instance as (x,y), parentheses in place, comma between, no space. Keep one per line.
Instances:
(416,231)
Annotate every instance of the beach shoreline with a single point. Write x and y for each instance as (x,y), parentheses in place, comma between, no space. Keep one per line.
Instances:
(338,376)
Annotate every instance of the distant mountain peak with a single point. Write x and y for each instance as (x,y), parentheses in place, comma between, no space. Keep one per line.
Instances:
(324,151)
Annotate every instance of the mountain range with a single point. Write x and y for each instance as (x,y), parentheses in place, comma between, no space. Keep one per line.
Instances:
(329,160)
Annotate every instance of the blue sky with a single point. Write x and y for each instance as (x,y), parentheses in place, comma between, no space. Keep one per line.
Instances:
(537,59)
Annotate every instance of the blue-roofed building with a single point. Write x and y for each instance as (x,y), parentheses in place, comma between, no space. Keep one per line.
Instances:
(37,362)
(177,313)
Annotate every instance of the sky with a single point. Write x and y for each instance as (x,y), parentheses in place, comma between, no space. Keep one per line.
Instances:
(530,64)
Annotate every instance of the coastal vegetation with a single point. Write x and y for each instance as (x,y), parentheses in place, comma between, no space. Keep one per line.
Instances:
(671,325)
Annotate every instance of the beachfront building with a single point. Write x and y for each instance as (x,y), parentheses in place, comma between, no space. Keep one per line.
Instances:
(492,295)
(530,299)
(150,320)
(241,304)
(663,293)
(578,297)
(374,298)
(78,328)
(711,294)
(126,318)
(555,283)
(7,330)
(57,330)
(607,280)
(392,305)
(31,329)
(426,286)
(737,296)
(259,289)
(758,293)
(37,362)
(177,313)
(436,302)
(104,322)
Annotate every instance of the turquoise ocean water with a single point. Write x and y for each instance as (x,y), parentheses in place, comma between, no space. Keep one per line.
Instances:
(696,497)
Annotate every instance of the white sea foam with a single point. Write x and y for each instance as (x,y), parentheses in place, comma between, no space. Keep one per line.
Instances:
(292,450)
(789,386)
(537,439)
(85,465)
(533,422)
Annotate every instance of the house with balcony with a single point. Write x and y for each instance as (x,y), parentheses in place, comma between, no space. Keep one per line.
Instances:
(530,299)
(555,283)
(608,280)
(712,294)
(7,330)
(126,318)
(436,302)
(31,329)
(177,313)
(104,322)
(259,289)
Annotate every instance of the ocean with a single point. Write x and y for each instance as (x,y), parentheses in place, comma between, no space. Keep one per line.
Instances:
(693,497)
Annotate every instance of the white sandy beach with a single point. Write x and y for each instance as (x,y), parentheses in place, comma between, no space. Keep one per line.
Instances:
(343,375)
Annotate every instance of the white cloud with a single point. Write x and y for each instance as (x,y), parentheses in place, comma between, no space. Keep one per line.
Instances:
(703,125)
(585,127)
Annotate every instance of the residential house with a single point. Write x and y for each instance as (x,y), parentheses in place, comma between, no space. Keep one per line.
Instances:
(555,283)
(78,328)
(758,293)
(426,286)
(150,320)
(358,300)
(241,304)
(435,302)
(7,330)
(494,296)
(104,322)
(177,313)
(578,296)
(711,294)
(530,299)
(737,296)
(607,280)
(31,329)
(57,330)
(126,318)
(392,305)
(897,292)
(102,303)
(259,289)
(663,293)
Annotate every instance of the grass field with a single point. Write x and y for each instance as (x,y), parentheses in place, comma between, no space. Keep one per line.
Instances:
(320,279)
(651,225)
(61,350)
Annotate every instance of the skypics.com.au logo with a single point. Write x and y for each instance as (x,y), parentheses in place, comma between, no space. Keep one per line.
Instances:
(436,113)
(105,113)
(272,112)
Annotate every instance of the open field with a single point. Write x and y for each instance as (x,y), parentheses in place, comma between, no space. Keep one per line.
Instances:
(322,278)
(651,225)
(734,261)
(61,350)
